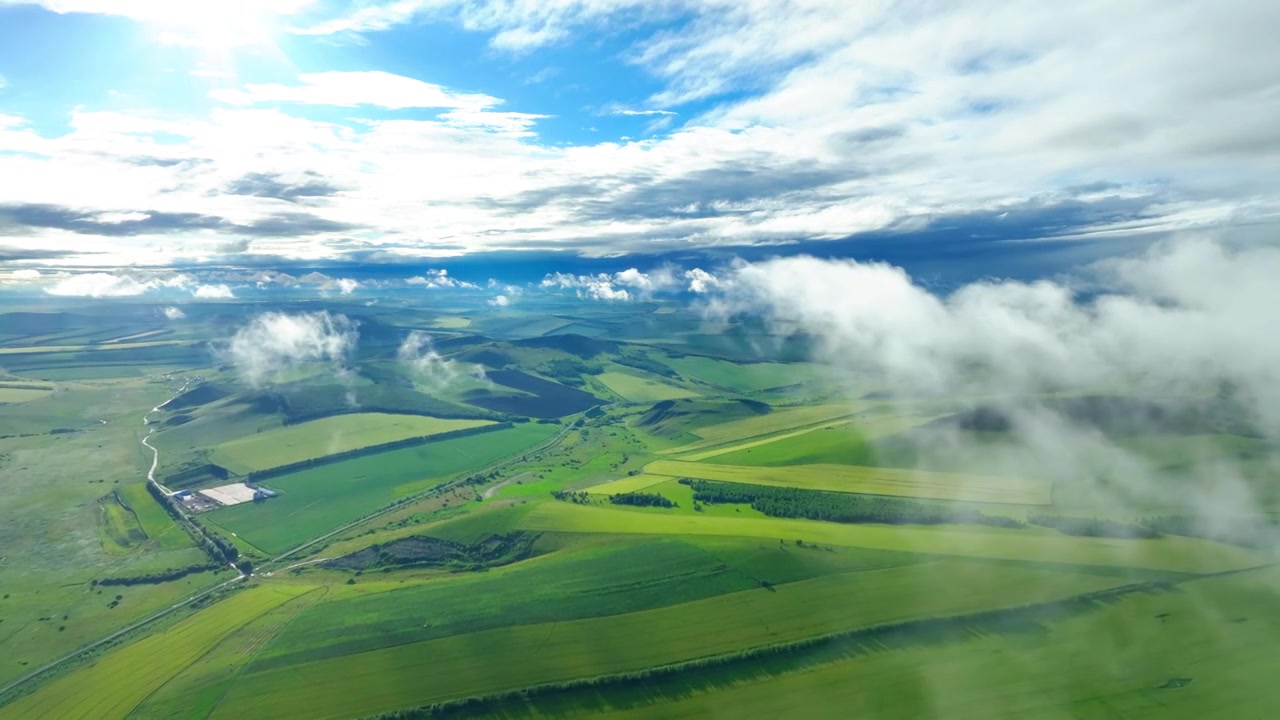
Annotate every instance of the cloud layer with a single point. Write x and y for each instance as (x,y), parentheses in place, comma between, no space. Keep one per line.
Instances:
(274,343)
(812,121)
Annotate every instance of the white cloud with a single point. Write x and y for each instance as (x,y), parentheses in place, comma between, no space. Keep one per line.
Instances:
(633,113)
(347,285)
(213,292)
(429,366)
(620,286)
(500,301)
(701,281)
(98,285)
(350,89)
(25,274)
(439,278)
(273,343)
(174,313)
(859,117)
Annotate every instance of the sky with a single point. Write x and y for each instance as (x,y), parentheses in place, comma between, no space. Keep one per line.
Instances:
(579,137)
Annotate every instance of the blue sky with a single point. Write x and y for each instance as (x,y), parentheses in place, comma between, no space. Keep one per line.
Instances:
(985,138)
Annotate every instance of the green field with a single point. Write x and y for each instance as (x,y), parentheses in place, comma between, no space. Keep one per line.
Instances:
(490,660)
(780,420)
(627,484)
(22,394)
(840,442)
(1210,633)
(93,348)
(315,500)
(743,376)
(639,389)
(115,684)
(154,521)
(1171,553)
(868,480)
(327,436)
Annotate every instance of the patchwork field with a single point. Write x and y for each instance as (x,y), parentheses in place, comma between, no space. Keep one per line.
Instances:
(318,499)
(743,376)
(640,389)
(486,661)
(92,348)
(328,436)
(1170,553)
(1195,653)
(780,420)
(23,392)
(115,684)
(868,480)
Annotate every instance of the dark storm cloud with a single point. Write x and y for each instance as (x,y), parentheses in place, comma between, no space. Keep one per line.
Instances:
(272,185)
(22,219)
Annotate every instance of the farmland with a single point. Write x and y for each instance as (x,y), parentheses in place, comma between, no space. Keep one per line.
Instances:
(868,480)
(640,389)
(459,538)
(328,436)
(322,498)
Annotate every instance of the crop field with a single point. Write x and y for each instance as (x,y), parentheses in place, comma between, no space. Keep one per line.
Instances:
(869,481)
(627,484)
(94,348)
(322,498)
(780,420)
(640,389)
(1171,553)
(855,441)
(328,436)
(490,660)
(743,376)
(1206,634)
(23,392)
(115,684)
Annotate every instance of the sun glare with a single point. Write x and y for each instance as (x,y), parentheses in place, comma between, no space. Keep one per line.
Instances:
(222,25)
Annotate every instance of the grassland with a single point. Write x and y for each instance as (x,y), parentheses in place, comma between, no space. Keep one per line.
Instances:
(640,389)
(328,436)
(157,524)
(1176,554)
(778,421)
(869,480)
(115,684)
(119,528)
(11,394)
(490,660)
(845,441)
(627,484)
(315,500)
(742,376)
(94,348)
(1207,634)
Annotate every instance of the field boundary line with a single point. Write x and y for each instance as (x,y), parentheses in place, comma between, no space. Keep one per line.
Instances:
(1071,604)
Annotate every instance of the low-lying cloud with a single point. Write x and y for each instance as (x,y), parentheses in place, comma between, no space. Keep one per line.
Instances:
(430,367)
(98,285)
(274,343)
(213,292)
(173,313)
(1188,323)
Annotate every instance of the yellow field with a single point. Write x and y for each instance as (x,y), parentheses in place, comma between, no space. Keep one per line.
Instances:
(117,682)
(450,322)
(869,480)
(135,336)
(639,389)
(19,395)
(627,484)
(328,436)
(775,422)
(77,348)
(1167,553)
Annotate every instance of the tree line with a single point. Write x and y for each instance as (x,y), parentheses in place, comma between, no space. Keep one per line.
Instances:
(219,550)
(838,507)
(1094,527)
(156,578)
(640,499)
